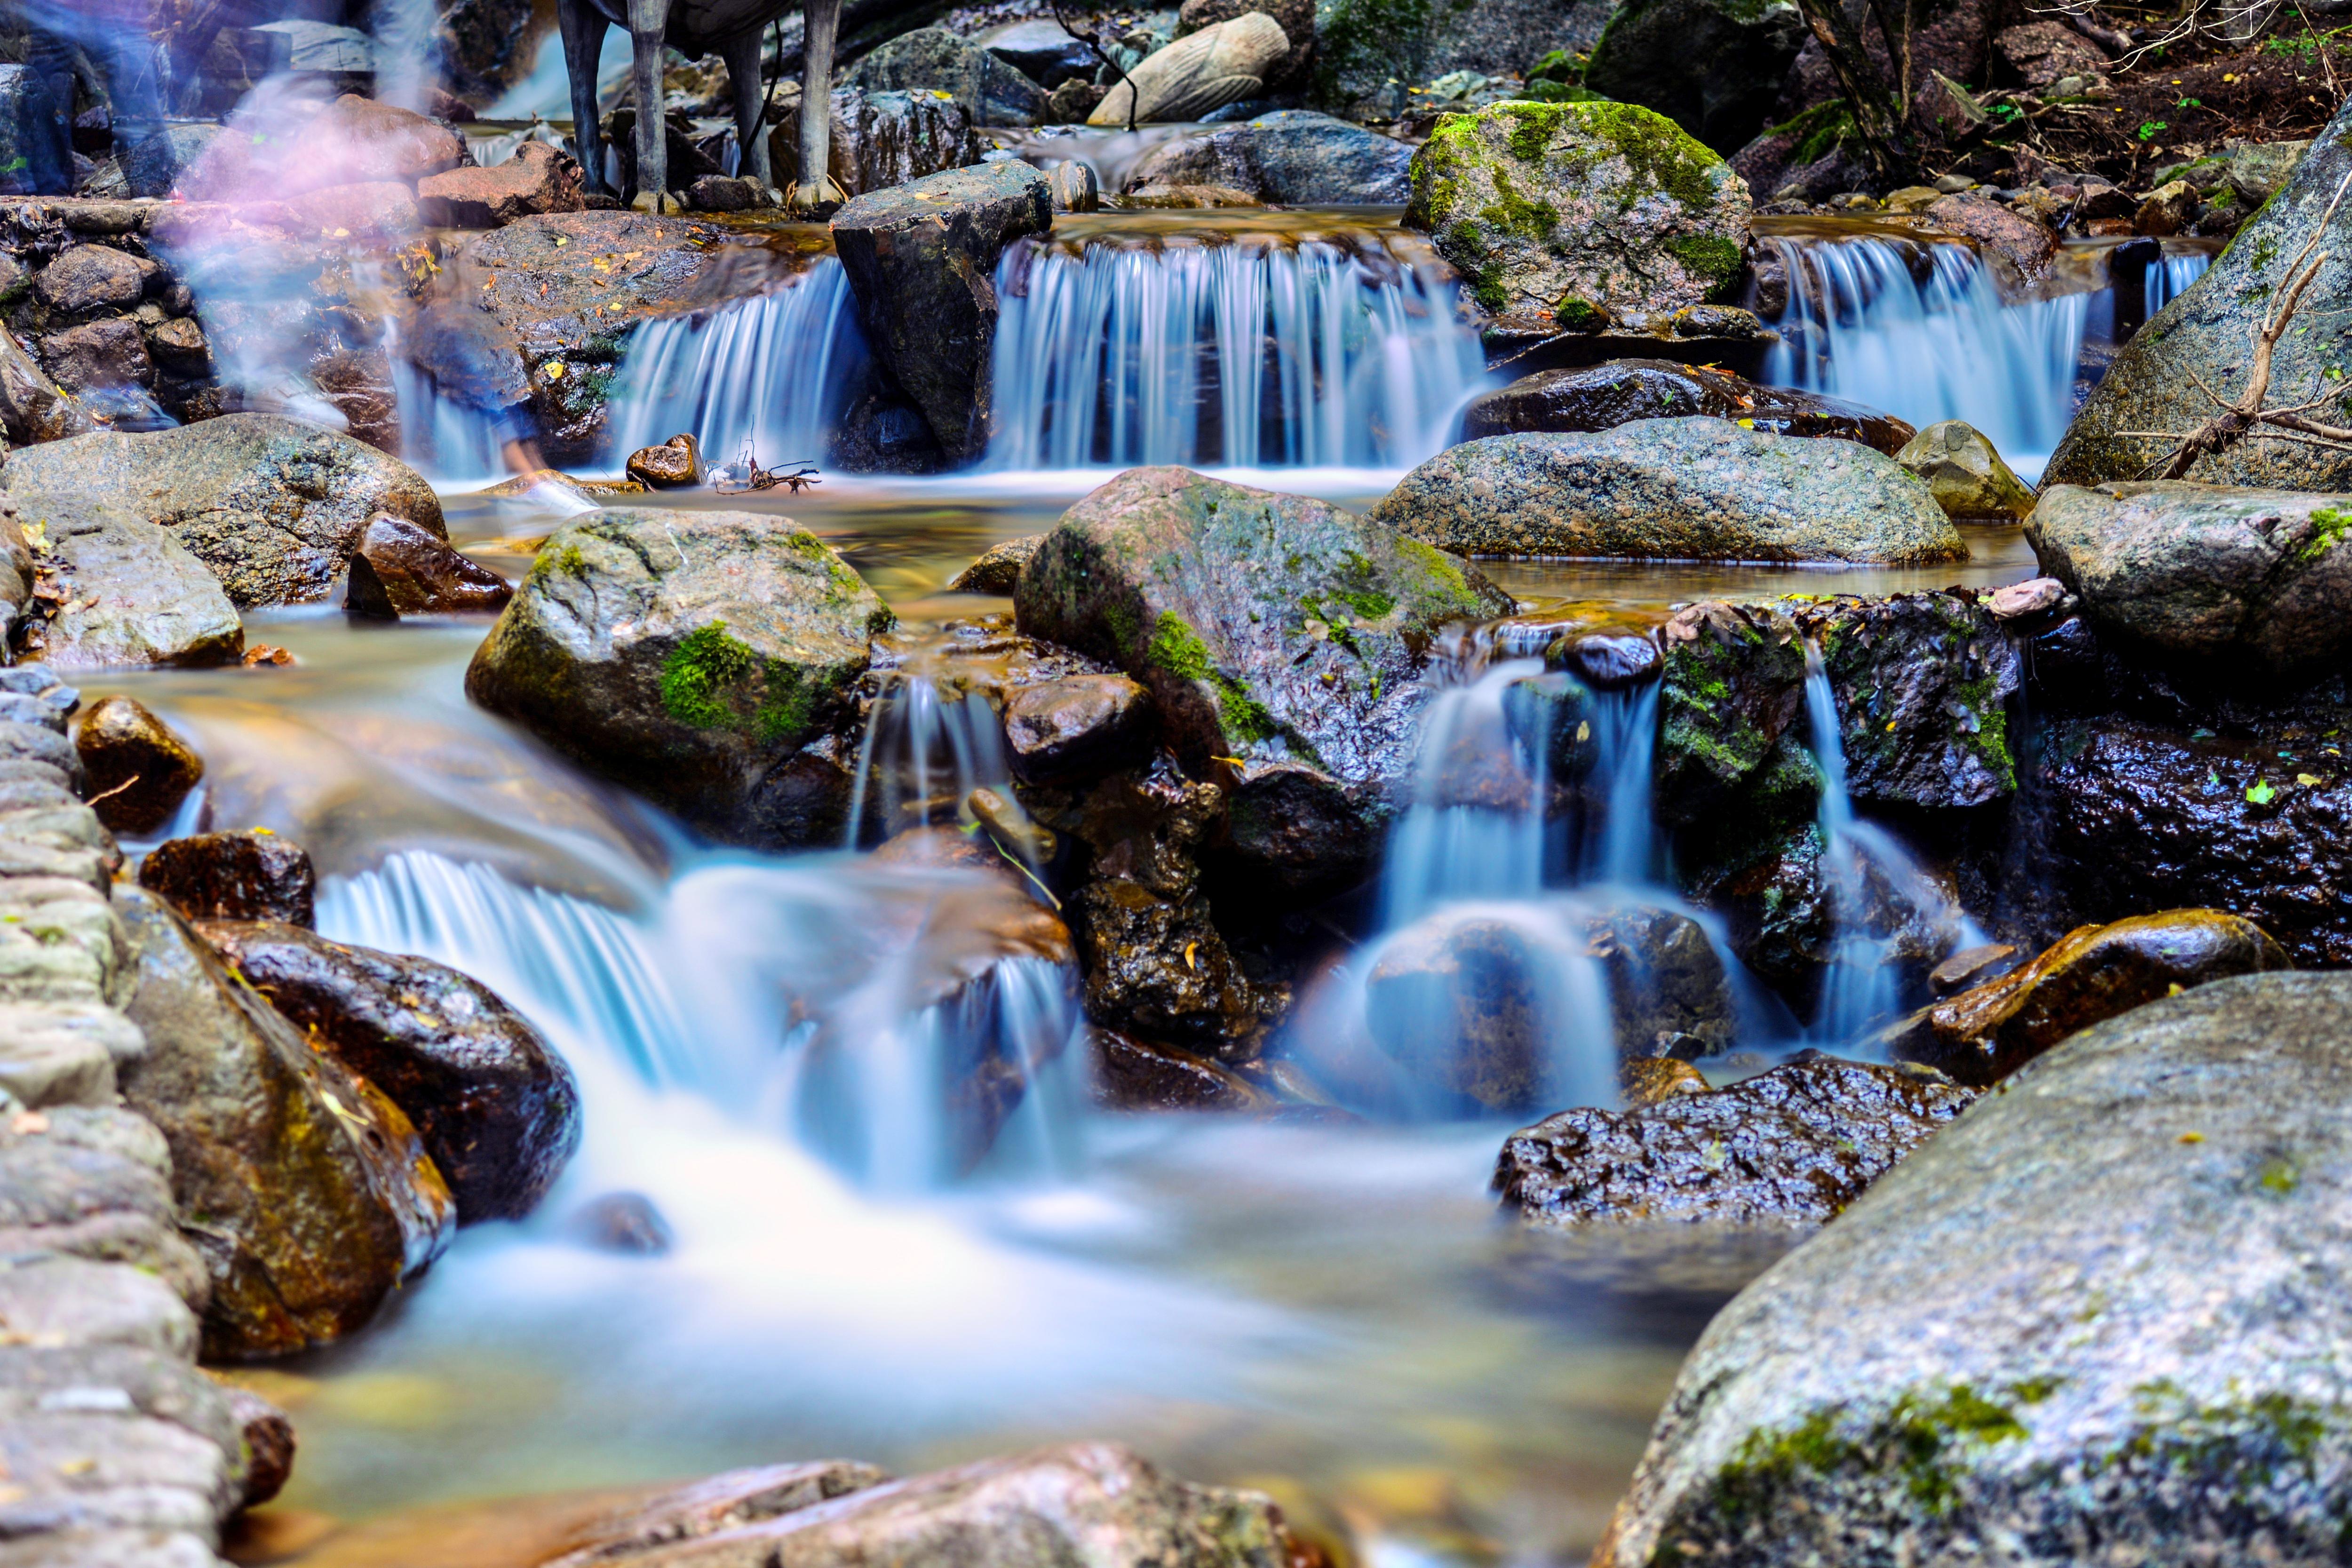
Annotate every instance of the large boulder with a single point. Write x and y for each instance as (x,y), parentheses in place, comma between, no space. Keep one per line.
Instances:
(495,1105)
(1713,67)
(1792,1146)
(2206,336)
(1983,1035)
(687,655)
(878,140)
(1552,209)
(272,506)
(305,1190)
(351,140)
(1620,391)
(1204,71)
(2199,572)
(921,259)
(1692,489)
(1294,157)
(2110,1304)
(538,179)
(1283,642)
(122,590)
(990,91)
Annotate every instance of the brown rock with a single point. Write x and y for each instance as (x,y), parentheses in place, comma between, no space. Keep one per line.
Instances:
(1078,724)
(538,179)
(2028,244)
(255,875)
(32,407)
(269,1436)
(1652,1080)
(722,1502)
(2043,52)
(139,768)
(179,346)
(93,278)
(999,570)
(723,193)
(2169,208)
(1617,392)
(1071,103)
(676,463)
(377,211)
(1136,1074)
(1980,1036)
(1968,967)
(99,355)
(400,569)
(353,141)
(1189,197)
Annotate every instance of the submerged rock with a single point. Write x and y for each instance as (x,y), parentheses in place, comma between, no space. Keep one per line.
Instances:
(988,88)
(255,875)
(1131,1074)
(2125,1269)
(305,1190)
(1793,1146)
(1294,157)
(1966,475)
(495,1105)
(622,1222)
(920,260)
(139,768)
(1553,209)
(686,655)
(128,593)
(1690,490)
(1281,641)
(1982,1036)
(1618,391)
(272,506)
(2204,571)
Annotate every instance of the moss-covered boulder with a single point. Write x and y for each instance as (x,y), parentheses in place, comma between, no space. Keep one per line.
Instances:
(1550,209)
(2111,1304)
(689,656)
(1732,680)
(1283,641)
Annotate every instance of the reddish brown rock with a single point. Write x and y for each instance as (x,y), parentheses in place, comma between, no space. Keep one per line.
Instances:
(400,569)
(382,212)
(353,141)
(673,465)
(538,179)
(2024,242)
(139,768)
(255,875)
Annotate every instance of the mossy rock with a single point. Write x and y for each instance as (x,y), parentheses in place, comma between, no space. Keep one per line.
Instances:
(1608,203)
(685,655)
(1283,640)
(1732,682)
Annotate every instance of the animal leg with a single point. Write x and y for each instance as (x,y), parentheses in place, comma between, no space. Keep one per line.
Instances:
(649,20)
(741,54)
(582,27)
(817,186)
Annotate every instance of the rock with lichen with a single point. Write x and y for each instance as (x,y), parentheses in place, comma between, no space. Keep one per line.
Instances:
(689,656)
(1560,210)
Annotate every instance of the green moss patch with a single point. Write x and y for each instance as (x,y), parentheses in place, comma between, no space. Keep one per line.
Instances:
(705,664)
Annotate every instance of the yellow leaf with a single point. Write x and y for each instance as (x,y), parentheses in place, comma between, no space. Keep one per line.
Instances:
(2306,778)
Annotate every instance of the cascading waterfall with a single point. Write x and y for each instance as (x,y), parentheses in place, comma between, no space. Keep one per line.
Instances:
(926,751)
(1860,326)
(1242,355)
(2168,278)
(771,372)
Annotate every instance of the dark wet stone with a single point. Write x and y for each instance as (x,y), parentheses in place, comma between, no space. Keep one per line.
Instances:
(992,92)
(253,875)
(1789,1147)
(1733,683)
(1294,157)
(1131,1074)
(1549,716)
(140,766)
(1982,1036)
(999,570)
(496,1106)
(100,356)
(2110,1303)
(1971,966)
(269,1435)
(1715,68)
(1618,391)
(1076,725)
(92,277)
(1041,49)
(623,1222)
(1157,965)
(400,569)
(1610,661)
(673,465)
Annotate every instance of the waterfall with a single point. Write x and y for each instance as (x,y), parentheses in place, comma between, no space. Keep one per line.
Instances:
(1860,326)
(441,437)
(926,751)
(852,1010)
(2169,275)
(1475,828)
(771,372)
(1248,353)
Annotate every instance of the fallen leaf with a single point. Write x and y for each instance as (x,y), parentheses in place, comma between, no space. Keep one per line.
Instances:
(2261,792)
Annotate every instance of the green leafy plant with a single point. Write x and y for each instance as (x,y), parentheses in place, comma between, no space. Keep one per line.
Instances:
(2148,127)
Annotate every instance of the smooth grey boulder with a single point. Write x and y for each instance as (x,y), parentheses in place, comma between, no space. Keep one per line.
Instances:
(686,655)
(921,259)
(2204,571)
(2207,334)
(1294,157)
(130,593)
(2112,1303)
(1687,490)
(992,92)
(272,506)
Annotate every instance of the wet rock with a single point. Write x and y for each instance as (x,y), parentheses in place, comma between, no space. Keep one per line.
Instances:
(1070,103)
(879,140)
(676,463)
(1966,475)
(1692,489)
(1281,639)
(684,654)
(1502,190)
(27,135)
(89,278)
(139,768)
(1618,391)
(400,569)
(2199,572)
(94,1182)
(538,179)
(130,593)
(1732,682)
(1793,1146)
(1295,18)
(1041,49)
(1073,187)
(999,570)
(305,1190)
(153,165)
(1159,966)
(1652,1080)
(1982,1036)
(623,1222)
(1295,157)
(673,1521)
(1922,684)
(1917,1374)
(269,1438)
(255,875)
(1712,67)
(724,194)
(377,213)
(33,407)
(1097,1502)
(495,1107)
(919,258)
(99,356)
(1219,65)
(1188,197)
(990,91)
(1077,725)
(2027,244)
(1970,966)
(2168,209)
(351,140)
(272,506)
(1131,1074)
(180,347)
